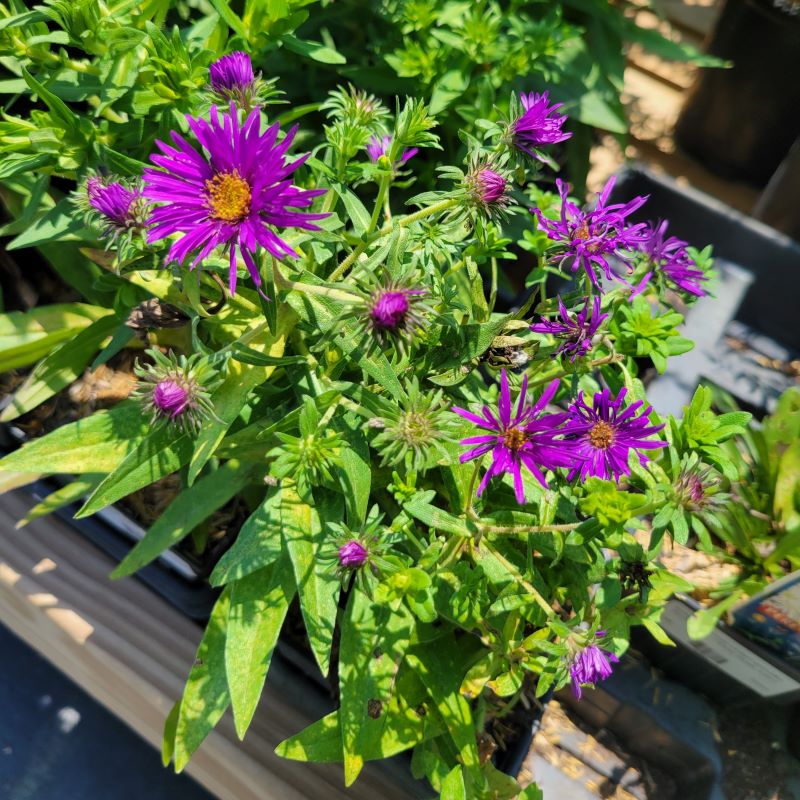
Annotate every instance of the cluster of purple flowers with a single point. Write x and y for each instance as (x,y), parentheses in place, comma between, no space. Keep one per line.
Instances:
(588,440)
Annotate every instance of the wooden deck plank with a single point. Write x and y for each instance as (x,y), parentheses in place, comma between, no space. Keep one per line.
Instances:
(131,651)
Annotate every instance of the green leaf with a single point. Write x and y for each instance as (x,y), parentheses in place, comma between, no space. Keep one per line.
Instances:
(168,741)
(355,472)
(436,518)
(702,622)
(160,454)
(58,108)
(317,582)
(447,89)
(315,50)
(205,697)
(70,493)
(259,604)
(191,507)
(611,506)
(98,443)
(59,368)
(27,336)
(453,787)
(16,163)
(223,8)
(60,223)
(654,41)
(374,640)
(257,545)
(358,215)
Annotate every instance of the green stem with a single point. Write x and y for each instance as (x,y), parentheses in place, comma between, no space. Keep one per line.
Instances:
(468,503)
(510,529)
(529,587)
(493,291)
(382,188)
(410,219)
(310,288)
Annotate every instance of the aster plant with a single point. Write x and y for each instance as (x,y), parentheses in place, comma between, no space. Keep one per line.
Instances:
(317,322)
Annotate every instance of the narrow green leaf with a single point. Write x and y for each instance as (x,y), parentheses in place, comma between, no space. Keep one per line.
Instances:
(315,50)
(453,787)
(357,213)
(259,604)
(98,443)
(257,545)
(70,493)
(317,582)
(223,8)
(355,472)
(374,640)
(205,697)
(163,452)
(59,368)
(191,507)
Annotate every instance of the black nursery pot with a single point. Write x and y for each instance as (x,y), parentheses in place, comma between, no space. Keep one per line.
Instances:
(741,121)
(754,299)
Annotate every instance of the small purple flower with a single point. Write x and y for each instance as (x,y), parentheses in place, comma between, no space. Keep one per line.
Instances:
(669,256)
(395,310)
(379,146)
(590,665)
(121,208)
(576,330)
(521,437)
(538,125)
(233,194)
(171,398)
(352,554)
(590,238)
(604,435)
(232,73)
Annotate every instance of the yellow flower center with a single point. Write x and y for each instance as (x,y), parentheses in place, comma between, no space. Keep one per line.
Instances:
(601,435)
(228,195)
(514,438)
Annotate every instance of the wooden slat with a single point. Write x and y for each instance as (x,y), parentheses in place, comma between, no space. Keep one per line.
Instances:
(131,651)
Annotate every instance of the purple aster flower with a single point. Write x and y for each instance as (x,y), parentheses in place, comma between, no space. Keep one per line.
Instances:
(519,437)
(171,398)
(538,125)
(669,256)
(120,207)
(379,146)
(232,73)
(590,665)
(395,310)
(233,194)
(352,554)
(576,330)
(590,238)
(604,435)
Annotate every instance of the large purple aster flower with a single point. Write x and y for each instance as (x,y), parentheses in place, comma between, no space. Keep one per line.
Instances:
(538,125)
(604,434)
(590,665)
(518,437)
(575,330)
(669,256)
(232,194)
(379,146)
(589,238)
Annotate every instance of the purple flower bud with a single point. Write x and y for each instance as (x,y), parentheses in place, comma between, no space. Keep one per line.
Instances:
(538,125)
(490,185)
(232,73)
(590,665)
(352,554)
(120,207)
(389,310)
(170,398)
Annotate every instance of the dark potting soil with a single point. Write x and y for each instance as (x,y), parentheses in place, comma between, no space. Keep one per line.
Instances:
(756,762)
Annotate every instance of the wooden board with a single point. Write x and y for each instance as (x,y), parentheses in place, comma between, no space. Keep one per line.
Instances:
(131,651)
